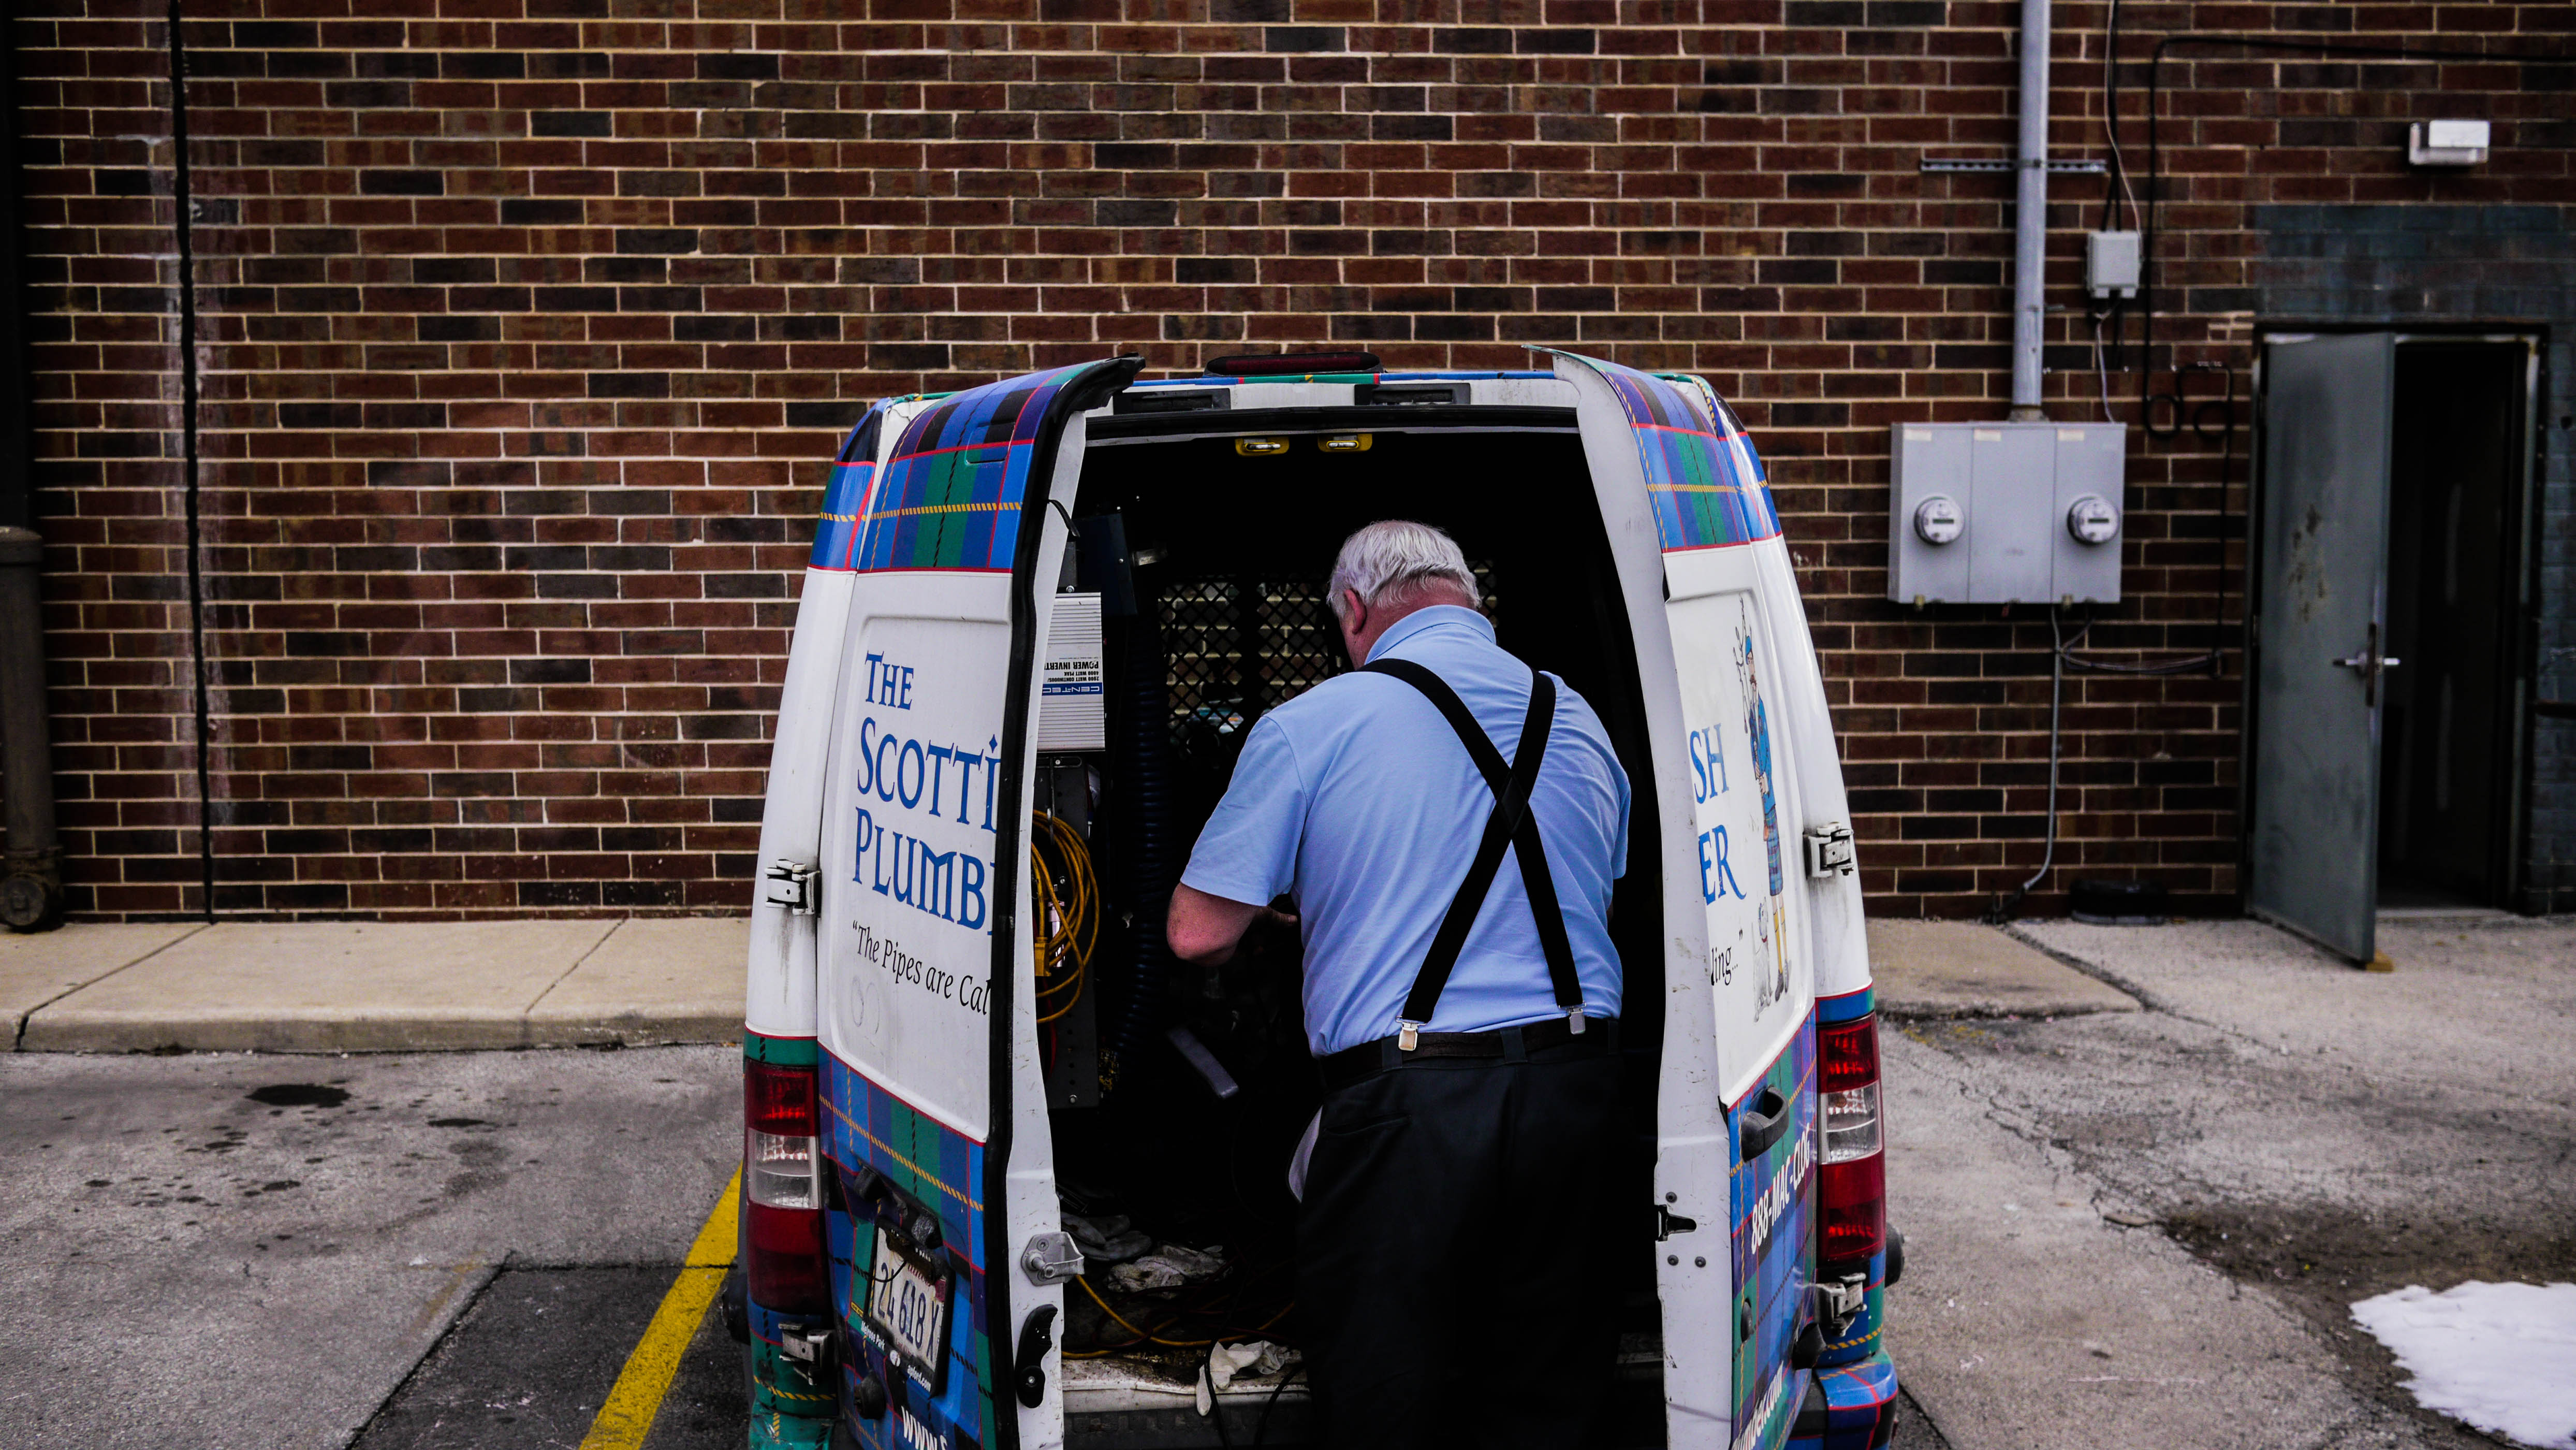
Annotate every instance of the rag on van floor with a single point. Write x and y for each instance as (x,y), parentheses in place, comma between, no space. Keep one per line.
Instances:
(2500,1356)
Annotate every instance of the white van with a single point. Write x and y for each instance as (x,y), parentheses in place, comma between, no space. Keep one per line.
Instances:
(1012,1175)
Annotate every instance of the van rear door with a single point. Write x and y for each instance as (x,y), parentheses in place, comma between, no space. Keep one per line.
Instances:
(923,1008)
(1735,1170)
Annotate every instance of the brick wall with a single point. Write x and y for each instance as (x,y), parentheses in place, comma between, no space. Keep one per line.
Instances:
(524,332)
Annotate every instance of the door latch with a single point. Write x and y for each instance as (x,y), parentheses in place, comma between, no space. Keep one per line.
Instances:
(2367,662)
(1839,1301)
(1037,1336)
(1051,1258)
(1669,1223)
(809,1345)
(1829,850)
(793,885)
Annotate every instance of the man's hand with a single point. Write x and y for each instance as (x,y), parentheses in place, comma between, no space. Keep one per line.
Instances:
(1206,929)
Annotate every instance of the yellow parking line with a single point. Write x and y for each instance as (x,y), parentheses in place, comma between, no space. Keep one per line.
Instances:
(637,1395)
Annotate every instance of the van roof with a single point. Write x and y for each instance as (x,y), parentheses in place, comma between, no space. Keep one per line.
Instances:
(950,498)
(1424,375)
(1203,380)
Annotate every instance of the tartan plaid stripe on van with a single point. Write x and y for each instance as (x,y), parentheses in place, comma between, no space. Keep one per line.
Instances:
(941,1169)
(846,497)
(1702,476)
(950,497)
(1772,1206)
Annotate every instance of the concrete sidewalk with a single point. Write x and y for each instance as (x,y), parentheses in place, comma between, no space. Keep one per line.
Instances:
(356,986)
(1933,970)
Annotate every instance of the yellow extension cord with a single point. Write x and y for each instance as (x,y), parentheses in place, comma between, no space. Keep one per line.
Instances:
(1069,923)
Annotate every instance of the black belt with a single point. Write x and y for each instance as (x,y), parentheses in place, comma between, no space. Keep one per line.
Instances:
(1510,1044)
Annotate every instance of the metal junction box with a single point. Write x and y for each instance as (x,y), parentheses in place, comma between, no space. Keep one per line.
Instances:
(2005,513)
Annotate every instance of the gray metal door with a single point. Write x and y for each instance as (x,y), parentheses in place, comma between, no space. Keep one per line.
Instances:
(2320,620)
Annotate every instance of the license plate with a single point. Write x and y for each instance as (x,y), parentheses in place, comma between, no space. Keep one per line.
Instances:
(908,1304)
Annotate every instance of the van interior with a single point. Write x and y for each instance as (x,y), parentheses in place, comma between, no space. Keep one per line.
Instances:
(1178,1094)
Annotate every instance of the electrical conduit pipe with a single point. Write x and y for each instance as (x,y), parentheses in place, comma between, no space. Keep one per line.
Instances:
(2030,214)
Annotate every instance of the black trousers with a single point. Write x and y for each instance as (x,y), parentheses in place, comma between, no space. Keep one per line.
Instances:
(1457,1251)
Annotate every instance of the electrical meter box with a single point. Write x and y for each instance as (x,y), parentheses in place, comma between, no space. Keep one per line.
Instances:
(2005,513)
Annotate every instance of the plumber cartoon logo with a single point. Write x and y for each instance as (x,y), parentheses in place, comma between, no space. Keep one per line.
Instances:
(1771,923)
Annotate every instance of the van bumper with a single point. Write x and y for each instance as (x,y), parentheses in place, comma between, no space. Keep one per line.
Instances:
(1849,1406)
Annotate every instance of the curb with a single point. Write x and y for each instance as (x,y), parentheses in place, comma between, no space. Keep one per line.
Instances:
(389,986)
(377,1031)
(1898,1011)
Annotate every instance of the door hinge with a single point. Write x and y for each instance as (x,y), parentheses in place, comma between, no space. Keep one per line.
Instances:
(1051,1258)
(793,885)
(1829,850)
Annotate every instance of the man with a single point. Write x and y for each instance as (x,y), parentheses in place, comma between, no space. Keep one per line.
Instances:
(1460,1232)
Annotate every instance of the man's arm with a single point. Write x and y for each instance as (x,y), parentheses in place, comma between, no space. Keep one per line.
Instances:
(1248,847)
(1206,929)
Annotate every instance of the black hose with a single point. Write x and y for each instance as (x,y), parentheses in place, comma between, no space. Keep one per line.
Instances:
(1216,1407)
(1261,1427)
(2005,907)
(1152,835)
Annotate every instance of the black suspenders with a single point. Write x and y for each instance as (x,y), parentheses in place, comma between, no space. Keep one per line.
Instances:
(1510,823)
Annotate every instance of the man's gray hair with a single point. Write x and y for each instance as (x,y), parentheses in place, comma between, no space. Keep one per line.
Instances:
(1395,559)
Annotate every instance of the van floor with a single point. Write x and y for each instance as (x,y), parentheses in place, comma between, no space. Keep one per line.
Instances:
(1231,554)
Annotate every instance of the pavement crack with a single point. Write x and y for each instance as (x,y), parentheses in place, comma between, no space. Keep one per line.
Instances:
(18,1041)
(447,1310)
(560,977)
(2148,998)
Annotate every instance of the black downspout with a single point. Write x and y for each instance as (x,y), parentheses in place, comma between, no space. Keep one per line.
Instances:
(183,222)
(31,883)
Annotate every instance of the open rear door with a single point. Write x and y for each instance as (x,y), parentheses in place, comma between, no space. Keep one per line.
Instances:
(1689,518)
(2319,631)
(923,1000)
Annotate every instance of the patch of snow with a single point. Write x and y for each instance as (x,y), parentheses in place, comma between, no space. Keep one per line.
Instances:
(2501,1357)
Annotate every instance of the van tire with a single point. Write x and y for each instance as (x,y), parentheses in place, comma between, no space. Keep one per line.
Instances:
(737,1305)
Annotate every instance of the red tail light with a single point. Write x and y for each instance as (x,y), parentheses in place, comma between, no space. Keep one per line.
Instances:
(782,1182)
(779,1100)
(1852,1191)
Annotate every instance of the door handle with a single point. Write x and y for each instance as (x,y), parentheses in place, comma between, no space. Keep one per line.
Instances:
(2367,662)
(1764,1122)
(1037,1336)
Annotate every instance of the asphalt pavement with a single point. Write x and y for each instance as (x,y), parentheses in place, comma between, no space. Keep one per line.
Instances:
(2136,1226)
(529,1363)
(238,1252)
(452,1251)
(2146,1229)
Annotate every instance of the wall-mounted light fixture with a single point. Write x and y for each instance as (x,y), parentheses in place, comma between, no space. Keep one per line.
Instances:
(2447,143)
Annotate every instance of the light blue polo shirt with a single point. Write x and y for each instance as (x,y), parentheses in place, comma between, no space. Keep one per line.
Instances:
(1358,799)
